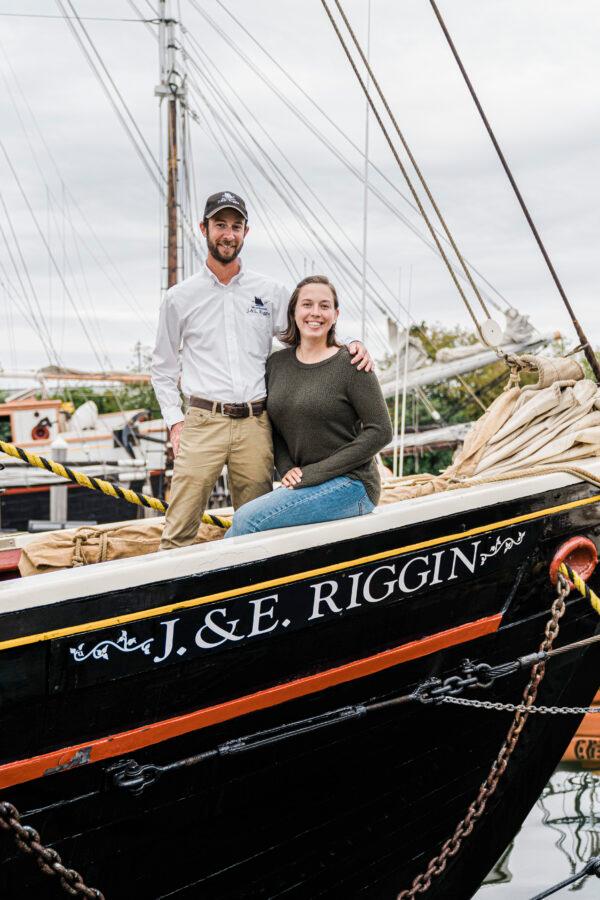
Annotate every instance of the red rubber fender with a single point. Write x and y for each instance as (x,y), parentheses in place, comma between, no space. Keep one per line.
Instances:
(40,433)
(579,553)
(9,563)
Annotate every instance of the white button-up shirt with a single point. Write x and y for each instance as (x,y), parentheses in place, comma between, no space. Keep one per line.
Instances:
(218,337)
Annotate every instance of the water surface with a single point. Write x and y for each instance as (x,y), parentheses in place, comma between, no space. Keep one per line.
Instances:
(557,839)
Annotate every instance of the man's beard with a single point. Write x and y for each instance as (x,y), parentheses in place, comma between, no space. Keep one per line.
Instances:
(214,252)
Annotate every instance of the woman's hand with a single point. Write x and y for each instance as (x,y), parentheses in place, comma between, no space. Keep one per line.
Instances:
(292,478)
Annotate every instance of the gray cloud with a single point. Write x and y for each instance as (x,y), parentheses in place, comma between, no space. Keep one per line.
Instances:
(535,66)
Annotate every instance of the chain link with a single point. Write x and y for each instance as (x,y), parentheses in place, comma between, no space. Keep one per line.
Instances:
(520,707)
(28,841)
(450,848)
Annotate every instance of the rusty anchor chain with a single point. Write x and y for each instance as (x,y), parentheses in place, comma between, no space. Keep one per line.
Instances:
(450,847)
(28,841)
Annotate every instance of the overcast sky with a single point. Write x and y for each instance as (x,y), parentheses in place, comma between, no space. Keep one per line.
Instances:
(535,65)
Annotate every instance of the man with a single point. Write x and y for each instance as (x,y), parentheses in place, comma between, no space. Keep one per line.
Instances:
(223,320)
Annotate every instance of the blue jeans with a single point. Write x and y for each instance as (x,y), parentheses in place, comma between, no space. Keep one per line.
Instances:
(338,498)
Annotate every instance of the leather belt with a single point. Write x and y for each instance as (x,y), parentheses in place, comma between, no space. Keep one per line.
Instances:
(234,410)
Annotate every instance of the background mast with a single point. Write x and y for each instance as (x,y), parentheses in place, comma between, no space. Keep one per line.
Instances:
(171,88)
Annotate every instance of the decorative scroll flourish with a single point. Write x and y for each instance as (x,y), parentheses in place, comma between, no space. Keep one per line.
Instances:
(123,643)
(504,544)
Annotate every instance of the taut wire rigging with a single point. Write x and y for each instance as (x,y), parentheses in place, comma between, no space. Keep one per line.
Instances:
(589,353)
(401,165)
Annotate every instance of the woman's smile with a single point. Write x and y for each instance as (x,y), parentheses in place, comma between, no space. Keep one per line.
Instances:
(316,313)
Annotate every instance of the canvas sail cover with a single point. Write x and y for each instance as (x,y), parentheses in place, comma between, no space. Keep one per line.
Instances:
(92,544)
(551,423)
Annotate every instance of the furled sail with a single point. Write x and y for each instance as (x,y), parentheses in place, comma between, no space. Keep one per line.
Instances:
(554,422)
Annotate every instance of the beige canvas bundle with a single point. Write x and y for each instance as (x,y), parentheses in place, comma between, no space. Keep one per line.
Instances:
(92,544)
(527,430)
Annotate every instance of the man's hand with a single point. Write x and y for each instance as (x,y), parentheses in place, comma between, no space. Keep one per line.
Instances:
(360,355)
(292,478)
(175,437)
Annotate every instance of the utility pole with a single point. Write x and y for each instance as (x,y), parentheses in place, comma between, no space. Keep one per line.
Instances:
(172,89)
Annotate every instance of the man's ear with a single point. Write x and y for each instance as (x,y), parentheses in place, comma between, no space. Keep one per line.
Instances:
(202,228)
(246,230)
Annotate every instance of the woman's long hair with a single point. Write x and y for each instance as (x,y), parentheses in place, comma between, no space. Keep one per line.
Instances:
(291,335)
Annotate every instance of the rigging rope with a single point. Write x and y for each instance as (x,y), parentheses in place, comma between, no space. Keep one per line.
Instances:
(285,193)
(115,284)
(51,255)
(120,282)
(584,589)
(54,355)
(98,484)
(141,152)
(158,176)
(413,161)
(240,173)
(28,313)
(402,167)
(314,238)
(342,133)
(329,144)
(347,265)
(309,206)
(39,319)
(590,355)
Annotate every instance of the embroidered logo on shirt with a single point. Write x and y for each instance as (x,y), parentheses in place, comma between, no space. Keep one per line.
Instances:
(259,308)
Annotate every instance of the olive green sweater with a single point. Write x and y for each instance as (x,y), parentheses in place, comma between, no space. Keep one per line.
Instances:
(328,419)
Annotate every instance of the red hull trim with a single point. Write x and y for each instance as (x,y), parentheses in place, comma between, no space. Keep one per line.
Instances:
(127,741)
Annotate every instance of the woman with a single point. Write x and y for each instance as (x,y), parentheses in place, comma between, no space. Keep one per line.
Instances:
(329,421)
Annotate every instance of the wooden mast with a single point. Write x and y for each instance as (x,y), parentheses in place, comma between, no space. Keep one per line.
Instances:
(171,88)
(172,260)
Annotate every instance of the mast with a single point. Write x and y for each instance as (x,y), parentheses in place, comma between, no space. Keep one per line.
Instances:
(171,88)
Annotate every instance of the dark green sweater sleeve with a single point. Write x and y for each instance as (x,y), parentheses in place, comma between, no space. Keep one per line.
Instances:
(364,393)
(283,460)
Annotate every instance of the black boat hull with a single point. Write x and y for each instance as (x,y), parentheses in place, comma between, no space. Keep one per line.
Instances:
(348,809)
(21,505)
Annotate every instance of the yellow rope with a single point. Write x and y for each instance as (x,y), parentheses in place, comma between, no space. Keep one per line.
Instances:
(98,484)
(584,589)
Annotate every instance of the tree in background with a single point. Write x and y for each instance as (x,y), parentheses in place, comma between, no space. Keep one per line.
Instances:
(458,400)
(121,397)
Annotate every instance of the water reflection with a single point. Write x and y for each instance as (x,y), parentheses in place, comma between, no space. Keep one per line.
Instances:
(557,839)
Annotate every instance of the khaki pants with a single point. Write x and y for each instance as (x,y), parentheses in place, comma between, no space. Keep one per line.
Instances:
(208,442)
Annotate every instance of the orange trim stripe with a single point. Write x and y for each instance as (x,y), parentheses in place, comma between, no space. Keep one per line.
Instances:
(127,741)
(38,488)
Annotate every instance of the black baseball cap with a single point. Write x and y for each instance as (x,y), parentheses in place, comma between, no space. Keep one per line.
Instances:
(224,200)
